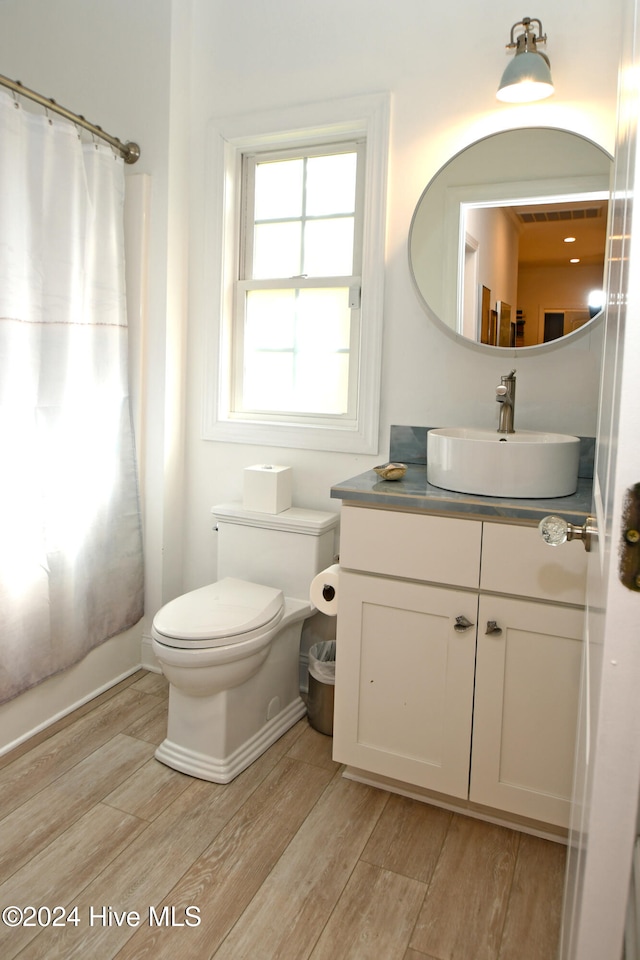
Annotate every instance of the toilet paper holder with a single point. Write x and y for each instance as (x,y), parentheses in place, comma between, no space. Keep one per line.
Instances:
(328,591)
(324,589)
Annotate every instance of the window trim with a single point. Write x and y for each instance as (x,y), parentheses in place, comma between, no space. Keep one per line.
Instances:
(341,120)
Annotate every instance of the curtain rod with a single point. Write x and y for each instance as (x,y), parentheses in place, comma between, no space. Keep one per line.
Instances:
(129,151)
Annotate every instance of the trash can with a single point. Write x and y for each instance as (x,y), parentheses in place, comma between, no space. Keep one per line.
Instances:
(322,679)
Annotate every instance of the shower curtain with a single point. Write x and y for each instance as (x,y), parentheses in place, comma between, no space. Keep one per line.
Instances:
(70,532)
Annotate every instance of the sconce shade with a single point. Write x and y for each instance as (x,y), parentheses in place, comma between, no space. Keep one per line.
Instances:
(526,78)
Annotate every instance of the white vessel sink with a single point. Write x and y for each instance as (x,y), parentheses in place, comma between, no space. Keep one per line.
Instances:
(521,464)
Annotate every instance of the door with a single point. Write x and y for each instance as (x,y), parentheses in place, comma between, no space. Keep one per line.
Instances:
(553,325)
(608,757)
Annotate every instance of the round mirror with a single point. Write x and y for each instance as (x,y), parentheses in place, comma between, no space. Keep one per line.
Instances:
(507,242)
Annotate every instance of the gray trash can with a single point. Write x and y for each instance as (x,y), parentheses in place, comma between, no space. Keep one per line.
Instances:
(322,679)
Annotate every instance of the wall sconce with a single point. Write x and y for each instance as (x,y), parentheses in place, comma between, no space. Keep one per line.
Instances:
(528,76)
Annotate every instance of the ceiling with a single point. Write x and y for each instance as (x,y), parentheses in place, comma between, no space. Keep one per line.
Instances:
(543,228)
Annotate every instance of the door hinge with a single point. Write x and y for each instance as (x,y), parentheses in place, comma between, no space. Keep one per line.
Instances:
(629,568)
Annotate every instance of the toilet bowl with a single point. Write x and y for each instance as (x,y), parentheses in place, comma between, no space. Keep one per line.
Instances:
(231,650)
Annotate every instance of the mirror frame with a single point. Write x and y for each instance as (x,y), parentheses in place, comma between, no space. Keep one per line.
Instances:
(581,185)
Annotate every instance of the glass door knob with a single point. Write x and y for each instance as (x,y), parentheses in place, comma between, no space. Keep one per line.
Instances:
(555,530)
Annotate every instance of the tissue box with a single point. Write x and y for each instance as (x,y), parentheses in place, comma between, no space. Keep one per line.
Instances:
(267,488)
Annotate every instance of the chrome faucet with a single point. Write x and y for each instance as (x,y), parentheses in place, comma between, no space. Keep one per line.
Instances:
(506,397)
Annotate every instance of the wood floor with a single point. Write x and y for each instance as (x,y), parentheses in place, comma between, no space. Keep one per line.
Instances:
(290,860)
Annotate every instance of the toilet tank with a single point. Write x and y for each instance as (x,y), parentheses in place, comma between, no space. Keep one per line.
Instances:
(283,550)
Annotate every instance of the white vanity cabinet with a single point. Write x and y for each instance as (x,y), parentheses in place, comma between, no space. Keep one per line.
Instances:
(425,696)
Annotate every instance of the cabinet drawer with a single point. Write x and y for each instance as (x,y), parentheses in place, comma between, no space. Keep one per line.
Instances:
(516,560)
(411,546)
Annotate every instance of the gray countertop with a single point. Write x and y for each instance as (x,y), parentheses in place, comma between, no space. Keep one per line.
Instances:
(414,493)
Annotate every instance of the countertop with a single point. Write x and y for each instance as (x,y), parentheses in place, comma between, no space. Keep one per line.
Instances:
(414,493)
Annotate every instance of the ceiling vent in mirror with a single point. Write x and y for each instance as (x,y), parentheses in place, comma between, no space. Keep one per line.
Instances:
(553,216)
(528,76)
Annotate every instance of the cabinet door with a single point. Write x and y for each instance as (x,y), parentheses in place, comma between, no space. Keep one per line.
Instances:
(404,681)
(526,708)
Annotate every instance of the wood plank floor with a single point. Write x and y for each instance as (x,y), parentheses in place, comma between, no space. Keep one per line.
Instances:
(290,860)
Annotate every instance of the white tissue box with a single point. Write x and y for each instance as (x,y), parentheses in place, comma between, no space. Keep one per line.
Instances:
(267,488)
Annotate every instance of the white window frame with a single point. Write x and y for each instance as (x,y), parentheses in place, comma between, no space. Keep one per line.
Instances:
(337,121)
(352,283)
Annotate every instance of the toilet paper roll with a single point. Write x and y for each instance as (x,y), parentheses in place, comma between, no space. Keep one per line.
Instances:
(325,589)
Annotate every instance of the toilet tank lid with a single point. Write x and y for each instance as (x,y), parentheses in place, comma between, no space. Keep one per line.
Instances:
(219,611)
(294,520)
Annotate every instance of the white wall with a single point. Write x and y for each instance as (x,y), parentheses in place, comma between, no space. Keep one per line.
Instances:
(160,71)
(442,71)
(496,232)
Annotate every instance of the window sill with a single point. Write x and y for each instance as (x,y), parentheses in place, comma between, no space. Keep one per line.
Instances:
(339,439)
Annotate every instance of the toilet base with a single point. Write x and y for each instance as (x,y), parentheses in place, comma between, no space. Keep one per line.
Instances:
(215,731)
(223,770)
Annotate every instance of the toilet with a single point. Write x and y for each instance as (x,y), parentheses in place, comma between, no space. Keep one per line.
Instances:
(231,650)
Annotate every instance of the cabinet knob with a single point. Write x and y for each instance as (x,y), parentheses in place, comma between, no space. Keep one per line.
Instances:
(462,624)
(555,531)
(493,629)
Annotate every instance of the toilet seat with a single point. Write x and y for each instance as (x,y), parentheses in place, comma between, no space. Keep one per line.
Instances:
(220,614)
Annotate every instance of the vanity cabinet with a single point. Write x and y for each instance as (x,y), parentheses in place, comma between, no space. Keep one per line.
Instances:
(428,693)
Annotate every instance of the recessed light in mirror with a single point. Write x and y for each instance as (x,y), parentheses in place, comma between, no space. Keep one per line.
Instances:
(575,260)
(569,239)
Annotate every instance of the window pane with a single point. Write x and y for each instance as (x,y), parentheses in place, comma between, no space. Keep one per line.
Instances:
(296,351)
(276,250)
(279,189)
(324,320)
(270,323)
(331,184)
(267,382)
(323,383)
(328,248)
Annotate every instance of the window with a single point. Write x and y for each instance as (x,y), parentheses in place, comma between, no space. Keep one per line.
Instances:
(302,246)
(297,302)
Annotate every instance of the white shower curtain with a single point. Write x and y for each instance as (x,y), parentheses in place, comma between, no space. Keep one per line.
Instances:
(70,533)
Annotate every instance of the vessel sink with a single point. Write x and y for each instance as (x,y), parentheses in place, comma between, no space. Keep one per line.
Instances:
(521,464)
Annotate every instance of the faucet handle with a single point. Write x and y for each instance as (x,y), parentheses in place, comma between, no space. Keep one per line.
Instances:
(501,390)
